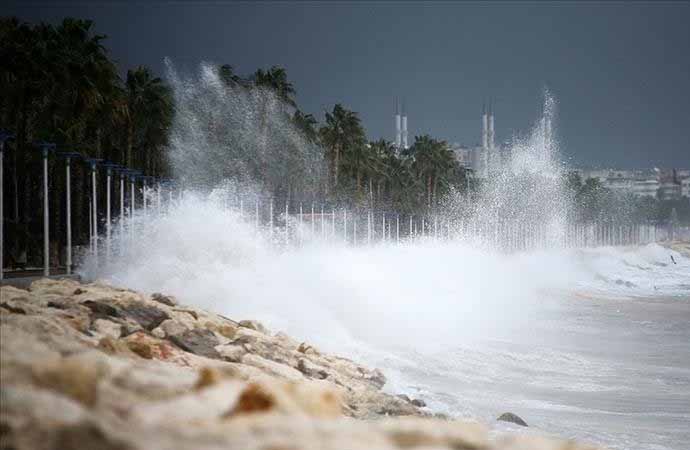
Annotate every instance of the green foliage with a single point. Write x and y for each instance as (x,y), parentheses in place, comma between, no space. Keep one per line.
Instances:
(58,83)
(594,202)
(275,79)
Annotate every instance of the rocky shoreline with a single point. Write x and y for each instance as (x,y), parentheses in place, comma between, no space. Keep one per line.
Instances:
(91,366)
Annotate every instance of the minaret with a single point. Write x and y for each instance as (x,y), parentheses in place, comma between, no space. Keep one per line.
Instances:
(492,141)
(398,135)
(485,128)
(485,143)
(547,132)
(404,127)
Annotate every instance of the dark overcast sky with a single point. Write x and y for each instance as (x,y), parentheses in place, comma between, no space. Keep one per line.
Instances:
(620,72)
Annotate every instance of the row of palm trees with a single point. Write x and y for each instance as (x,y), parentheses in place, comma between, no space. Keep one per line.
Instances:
(59,84)
(359,170)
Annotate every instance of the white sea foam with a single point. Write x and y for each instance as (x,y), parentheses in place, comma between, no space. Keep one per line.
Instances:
(473,330)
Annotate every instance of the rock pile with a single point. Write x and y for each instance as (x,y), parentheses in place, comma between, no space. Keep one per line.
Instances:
(93,366)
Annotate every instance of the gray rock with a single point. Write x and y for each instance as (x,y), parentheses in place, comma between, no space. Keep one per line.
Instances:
(88,434)
(376,377)
(164,299)
(198,341)
(513,418)
(12,309)
(253,325)
(311,370)
(413,401)
(149,317)
(107,328)
(101,309)
(419,403)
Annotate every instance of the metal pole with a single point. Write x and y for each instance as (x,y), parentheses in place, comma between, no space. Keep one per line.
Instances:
(333,224)
(345,225)
(287,229)
(271,214)
(46,225)
(383,227)
(68,193)
(143,195)
(313,220)
(368,227)
(256,213)
(323,225)
(397,228)
(107,215)
(354,230)
(122,207)
(90,227)
(94,209)
(132,204)
(301,218)
(158,198)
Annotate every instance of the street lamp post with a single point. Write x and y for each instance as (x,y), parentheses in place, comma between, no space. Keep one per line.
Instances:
(94,206)
(122,205)
(46,147)
(109,171)
(69,156)
(132,201)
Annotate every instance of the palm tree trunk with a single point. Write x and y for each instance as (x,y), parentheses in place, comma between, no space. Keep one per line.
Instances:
(428,188)
(435,193)
(336,164)
(99,147)
(130,142)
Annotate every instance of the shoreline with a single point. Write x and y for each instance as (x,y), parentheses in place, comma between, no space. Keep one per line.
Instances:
(128,371)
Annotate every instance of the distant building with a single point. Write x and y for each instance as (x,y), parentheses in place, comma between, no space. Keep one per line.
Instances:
(463,155)
(669,184)
(685,187)
(665,184)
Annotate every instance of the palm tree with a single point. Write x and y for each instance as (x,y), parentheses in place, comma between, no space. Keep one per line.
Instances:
(149,112)
(227,74)
(275,79)
(384,160)
(306,123)
(433,163)
(341,133)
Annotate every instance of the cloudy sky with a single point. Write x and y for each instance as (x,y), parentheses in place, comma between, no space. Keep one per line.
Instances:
(620,71)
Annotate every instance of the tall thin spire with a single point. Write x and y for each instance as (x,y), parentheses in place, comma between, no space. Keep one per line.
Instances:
(398,131)
(492,133)
(485,127)
(404,126)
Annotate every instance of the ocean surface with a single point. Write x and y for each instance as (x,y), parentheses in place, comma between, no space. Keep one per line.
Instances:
(590,344)
(607,370)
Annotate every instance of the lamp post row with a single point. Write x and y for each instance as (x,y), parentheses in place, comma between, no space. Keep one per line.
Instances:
(46,148)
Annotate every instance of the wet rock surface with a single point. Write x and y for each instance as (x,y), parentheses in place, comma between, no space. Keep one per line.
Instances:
(513,418)
(94,366)
(200,342)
